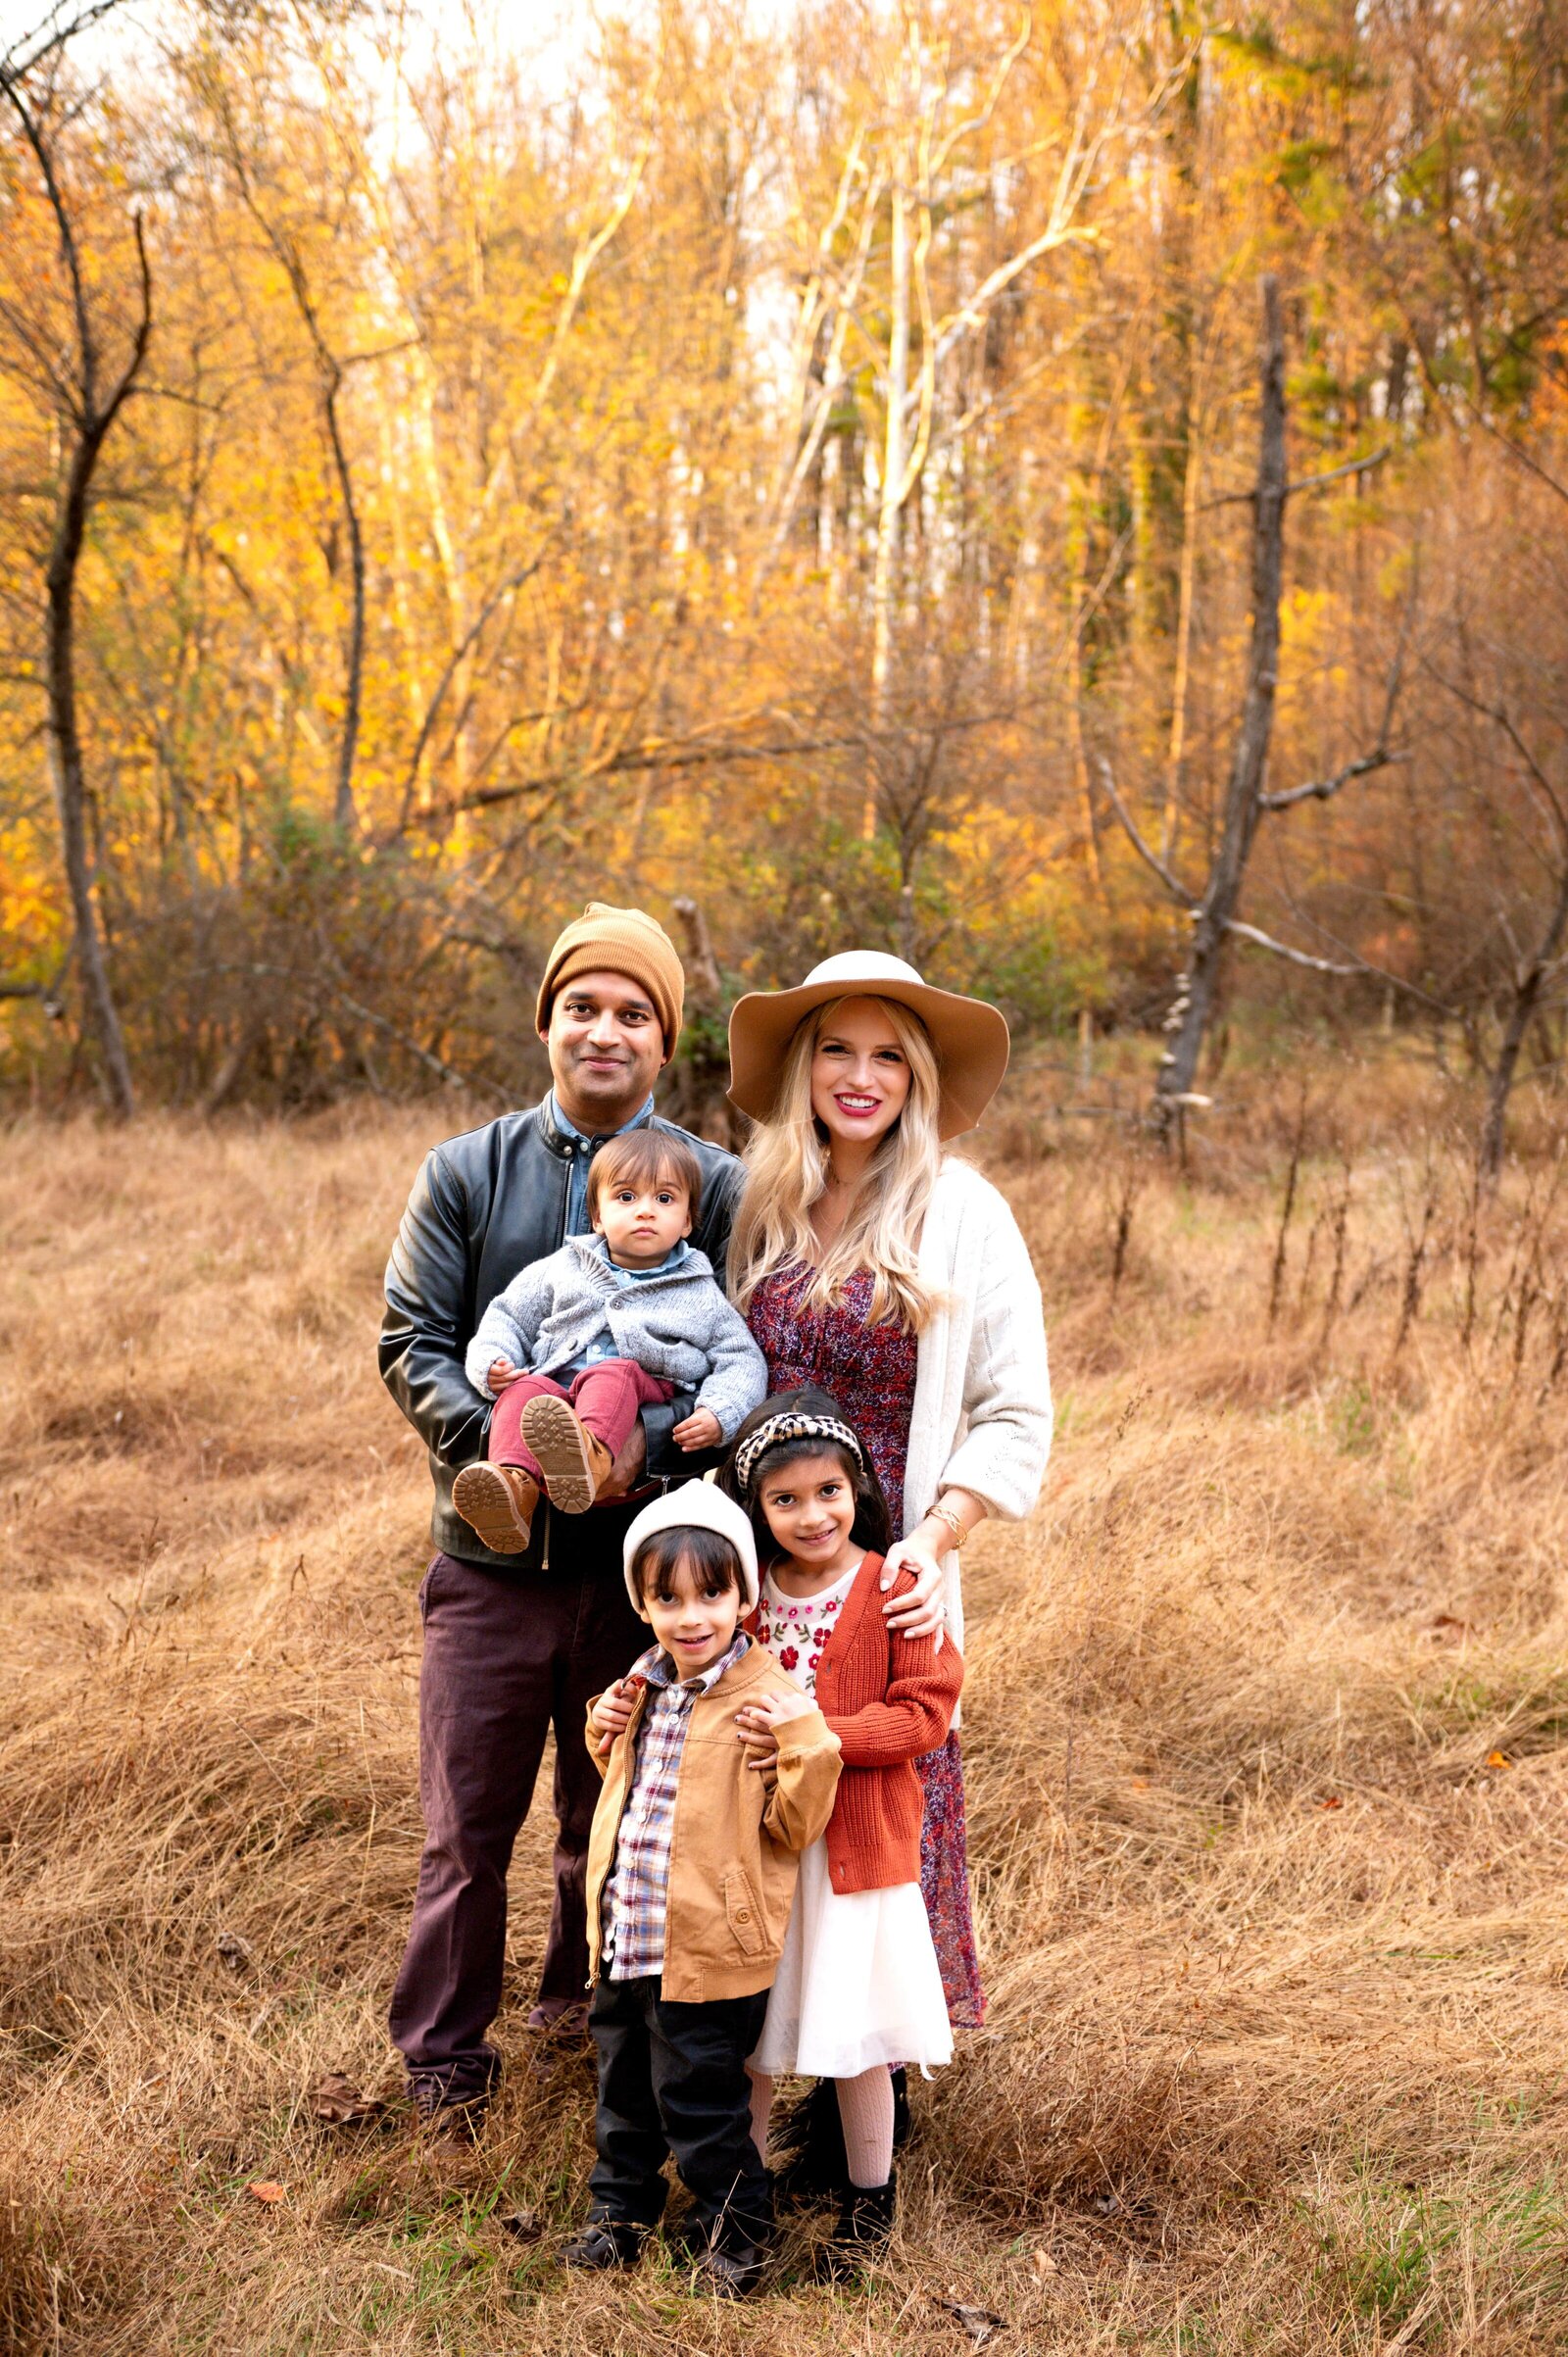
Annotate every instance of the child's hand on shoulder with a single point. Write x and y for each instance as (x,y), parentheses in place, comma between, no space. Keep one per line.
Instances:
(760,1723)
(612,1712)
(778,1709)
(502,1372)
(702,1429)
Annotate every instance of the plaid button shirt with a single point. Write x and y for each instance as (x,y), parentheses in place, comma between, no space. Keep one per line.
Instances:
(633,1905)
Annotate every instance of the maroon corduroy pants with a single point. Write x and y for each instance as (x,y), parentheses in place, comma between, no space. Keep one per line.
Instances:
(606,1396)
(507,1655)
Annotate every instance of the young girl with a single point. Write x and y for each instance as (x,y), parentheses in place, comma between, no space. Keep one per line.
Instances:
(858,1989)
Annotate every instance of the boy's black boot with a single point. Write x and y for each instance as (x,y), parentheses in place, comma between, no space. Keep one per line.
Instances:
(726,2258)
(733,2270)
(727,2264)
(863,2233)
(605,2244)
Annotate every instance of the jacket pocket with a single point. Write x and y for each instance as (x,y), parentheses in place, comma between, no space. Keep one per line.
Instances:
(743,1914)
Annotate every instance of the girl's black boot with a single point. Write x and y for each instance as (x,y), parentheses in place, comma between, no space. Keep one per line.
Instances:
(862,2234)
(808,2142)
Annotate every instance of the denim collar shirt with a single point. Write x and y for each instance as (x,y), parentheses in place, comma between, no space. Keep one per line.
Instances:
(635,1894)
(581,1150)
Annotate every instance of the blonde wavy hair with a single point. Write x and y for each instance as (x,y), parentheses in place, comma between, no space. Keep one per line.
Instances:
(785,1173)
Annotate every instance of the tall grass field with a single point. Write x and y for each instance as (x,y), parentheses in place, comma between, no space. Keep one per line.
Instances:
(1267,1737)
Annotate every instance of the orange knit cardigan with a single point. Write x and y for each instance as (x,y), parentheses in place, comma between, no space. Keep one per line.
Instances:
(889,1700)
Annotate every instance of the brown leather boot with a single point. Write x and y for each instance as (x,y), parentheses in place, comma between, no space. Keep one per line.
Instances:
(500,1502)
(574,1464)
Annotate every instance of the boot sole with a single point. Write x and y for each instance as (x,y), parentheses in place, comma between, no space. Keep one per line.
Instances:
(485,1502)
(563,1450)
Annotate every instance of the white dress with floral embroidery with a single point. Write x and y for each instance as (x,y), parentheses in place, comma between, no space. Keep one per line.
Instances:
(858,1984)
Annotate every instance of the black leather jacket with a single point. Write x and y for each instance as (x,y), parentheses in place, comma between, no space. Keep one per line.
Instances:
(483,1206)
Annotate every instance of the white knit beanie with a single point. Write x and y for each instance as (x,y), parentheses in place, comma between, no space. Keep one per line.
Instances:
(701,1506)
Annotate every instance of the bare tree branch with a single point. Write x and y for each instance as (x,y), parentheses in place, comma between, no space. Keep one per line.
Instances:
(1306,483)
(513,582)
(1320,788)
(1178,892)
(1282,949)
(58,27)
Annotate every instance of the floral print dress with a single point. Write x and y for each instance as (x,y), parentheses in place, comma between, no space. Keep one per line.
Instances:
(797,1628)
(870,1371)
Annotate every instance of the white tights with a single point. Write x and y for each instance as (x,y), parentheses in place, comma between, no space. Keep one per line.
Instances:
(866,2110)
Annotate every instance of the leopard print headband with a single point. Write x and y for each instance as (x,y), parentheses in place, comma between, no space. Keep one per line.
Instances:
(779,1429)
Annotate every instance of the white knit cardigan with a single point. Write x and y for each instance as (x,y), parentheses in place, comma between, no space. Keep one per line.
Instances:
(981,1419)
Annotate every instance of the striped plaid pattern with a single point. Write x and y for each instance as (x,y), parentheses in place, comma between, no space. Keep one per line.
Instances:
(635,1892)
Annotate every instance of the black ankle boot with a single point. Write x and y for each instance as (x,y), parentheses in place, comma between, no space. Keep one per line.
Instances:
(809,2141)
(606,2243)
(862,2234)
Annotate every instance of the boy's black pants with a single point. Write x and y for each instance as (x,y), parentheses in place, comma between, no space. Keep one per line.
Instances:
(672,2079)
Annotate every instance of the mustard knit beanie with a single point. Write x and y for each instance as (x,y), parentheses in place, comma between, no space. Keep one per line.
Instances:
(618,941)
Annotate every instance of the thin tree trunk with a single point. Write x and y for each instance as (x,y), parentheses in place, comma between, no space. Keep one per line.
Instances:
(68,771)
(343,810)
(1196,997)
(884,590)
(1176,752)
(1527,992)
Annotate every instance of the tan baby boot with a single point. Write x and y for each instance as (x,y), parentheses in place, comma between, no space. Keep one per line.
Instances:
(575,1466)
(499,1502)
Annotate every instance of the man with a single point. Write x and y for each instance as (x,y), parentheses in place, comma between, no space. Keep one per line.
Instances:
(514,1644)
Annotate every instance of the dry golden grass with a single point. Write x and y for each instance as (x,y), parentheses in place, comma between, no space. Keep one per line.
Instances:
(1276,2057)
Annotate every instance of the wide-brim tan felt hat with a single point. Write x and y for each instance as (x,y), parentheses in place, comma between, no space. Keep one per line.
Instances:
(970,1037)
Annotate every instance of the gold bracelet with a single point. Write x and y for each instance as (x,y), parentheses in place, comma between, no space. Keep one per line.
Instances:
(942,1514)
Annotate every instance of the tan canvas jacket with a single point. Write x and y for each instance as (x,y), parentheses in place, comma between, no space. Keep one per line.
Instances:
(735,1847)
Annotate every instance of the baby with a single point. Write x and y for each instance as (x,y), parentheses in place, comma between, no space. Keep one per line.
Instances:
(582,1340)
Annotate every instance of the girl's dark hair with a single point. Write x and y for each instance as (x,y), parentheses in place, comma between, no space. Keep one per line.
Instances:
(715,1567)
(873,1527)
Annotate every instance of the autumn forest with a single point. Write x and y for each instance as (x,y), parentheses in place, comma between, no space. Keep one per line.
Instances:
(1075,496)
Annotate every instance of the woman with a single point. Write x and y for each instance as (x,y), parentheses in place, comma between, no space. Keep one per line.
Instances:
(893,1276)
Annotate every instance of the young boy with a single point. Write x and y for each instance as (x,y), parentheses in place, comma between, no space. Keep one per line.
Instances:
(691,1873)
(581,1339)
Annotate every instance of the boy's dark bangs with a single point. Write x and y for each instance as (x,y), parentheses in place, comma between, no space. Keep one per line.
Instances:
(715,1566)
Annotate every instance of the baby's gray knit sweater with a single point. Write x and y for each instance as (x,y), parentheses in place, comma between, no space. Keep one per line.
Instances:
(676,1324)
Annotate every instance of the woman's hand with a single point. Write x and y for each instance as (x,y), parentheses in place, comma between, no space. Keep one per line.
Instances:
(921,1610)
(612,1711)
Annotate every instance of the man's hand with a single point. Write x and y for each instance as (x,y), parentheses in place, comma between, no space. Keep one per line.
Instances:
(700,1430)
(502,1372)
(612,1712)
(626,1473)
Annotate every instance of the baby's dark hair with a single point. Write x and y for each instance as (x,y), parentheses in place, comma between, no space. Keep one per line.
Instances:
(645,1157)
(715,1566)
(873,1527)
